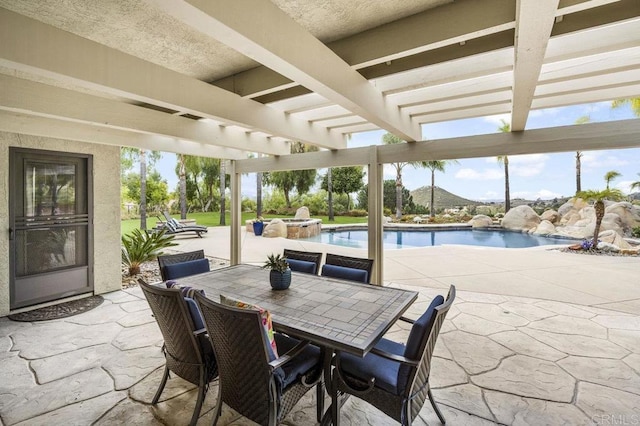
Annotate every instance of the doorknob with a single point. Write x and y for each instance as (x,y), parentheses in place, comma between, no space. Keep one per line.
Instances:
(10,234)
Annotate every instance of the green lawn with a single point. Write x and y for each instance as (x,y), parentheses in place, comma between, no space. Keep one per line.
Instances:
(213,219)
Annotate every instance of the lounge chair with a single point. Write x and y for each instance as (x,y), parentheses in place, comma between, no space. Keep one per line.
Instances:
(172,226)
(394,377)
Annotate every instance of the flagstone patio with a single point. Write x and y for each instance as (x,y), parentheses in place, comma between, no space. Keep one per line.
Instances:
(499,359)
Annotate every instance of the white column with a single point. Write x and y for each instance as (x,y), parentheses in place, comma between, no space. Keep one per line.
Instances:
(236,217)
(375,228)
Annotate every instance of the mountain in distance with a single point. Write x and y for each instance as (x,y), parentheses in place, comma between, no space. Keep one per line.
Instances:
(442,198)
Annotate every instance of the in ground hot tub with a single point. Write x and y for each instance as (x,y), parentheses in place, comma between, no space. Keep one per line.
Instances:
(296,228)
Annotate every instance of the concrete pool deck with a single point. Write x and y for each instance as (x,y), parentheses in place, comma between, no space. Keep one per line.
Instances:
(514,349)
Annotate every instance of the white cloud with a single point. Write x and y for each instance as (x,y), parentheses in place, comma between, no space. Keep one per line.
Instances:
(527,165)
(625,186)
(543,194)
(490,195)
(486,174)
(601,160)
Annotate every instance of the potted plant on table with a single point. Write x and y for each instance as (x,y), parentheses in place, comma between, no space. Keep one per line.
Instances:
(258,225)
(280,276)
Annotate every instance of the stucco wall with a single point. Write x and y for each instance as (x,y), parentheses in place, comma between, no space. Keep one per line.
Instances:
(106,208)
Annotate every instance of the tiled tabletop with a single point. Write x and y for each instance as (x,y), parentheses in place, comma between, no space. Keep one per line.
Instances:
(337,314)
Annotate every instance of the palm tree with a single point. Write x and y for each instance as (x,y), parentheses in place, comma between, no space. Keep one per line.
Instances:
(390,139)
(598,197)
(635,185)
(581,120)
(634,102)
(434,165)
(611,175)
(504,160)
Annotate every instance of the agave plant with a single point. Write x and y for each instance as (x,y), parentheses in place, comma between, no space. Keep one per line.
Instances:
(142,246)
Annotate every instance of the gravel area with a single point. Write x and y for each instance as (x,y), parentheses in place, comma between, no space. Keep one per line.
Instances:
(150,272)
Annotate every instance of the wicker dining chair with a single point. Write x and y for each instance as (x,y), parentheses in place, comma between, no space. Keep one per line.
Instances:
(345,267)
(170,259)
(394,377)
(188,352)
(262,389)
(303,261)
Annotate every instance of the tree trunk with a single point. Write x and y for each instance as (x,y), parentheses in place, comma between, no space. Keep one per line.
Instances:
(286,198)
(578,172)
(183,187)
(222,190)
(399,196)
(143,189)
(259,194)
(599,208)
(330,191)
(432,207)
(507,195)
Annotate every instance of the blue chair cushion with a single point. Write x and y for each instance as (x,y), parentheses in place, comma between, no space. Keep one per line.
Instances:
(184,269)
(385,371)
(345,273)
(195,313)
(298,366)
(303,266)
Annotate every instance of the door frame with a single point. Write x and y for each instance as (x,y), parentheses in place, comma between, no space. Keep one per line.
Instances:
(13,169)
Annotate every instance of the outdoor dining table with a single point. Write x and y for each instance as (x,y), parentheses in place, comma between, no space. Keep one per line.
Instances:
(334,314)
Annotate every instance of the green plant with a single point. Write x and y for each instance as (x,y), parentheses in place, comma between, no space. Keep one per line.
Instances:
(142,246)
(635,232)
(276,262)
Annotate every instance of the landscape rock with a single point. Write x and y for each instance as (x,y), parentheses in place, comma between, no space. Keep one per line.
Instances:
(545,228)
(417,219)
(521,218)
(614,238)
(302,213)
(574,204)
(628,213)
(552,216)
(275,228)
(480,221)
(386,220)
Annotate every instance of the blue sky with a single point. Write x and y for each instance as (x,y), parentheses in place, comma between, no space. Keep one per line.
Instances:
(544,176)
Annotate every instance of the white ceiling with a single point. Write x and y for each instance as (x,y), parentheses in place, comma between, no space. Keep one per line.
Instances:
(265,73)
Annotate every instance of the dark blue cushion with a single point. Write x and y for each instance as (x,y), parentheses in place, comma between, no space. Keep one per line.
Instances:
(195,313)
(184,269)
(303,266)
(298,366)
(345,273)
(384,370)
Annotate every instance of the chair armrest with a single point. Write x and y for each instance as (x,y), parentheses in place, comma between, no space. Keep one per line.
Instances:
(405,319)
(393,357)
(199,331)
(294,352)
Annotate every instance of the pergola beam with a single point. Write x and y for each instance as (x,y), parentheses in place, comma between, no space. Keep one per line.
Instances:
(28,97)
(67,130)
(242,25)
(534,22)
(39,49)
(585,137)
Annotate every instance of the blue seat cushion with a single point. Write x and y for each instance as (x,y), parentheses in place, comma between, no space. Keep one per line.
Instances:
(195,313)
(385,371)
(345,273)
(298,366)
(184,269)
(303,266)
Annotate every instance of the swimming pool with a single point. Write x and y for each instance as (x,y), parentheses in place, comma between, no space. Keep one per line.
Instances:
(397,239)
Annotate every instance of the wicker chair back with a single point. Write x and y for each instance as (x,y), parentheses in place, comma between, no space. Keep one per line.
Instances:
(170,259)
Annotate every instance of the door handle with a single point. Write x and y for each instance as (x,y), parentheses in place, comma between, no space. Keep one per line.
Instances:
(10,234)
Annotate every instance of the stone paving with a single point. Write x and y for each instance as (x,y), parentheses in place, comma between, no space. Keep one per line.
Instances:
(499,359)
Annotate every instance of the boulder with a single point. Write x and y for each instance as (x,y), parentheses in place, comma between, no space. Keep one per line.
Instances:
(302,213)
(386,220)
(545,228)
(417,219)
(611,222)
(628,213)
(521,218)
(552,216)
(613,238)
(575,204)
(480,221)
(275,228)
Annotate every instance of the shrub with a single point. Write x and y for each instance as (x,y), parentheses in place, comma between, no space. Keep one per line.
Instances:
(635,232)
(142,246)
(358,213)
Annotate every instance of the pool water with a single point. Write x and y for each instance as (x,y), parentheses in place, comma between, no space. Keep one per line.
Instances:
(395,239)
